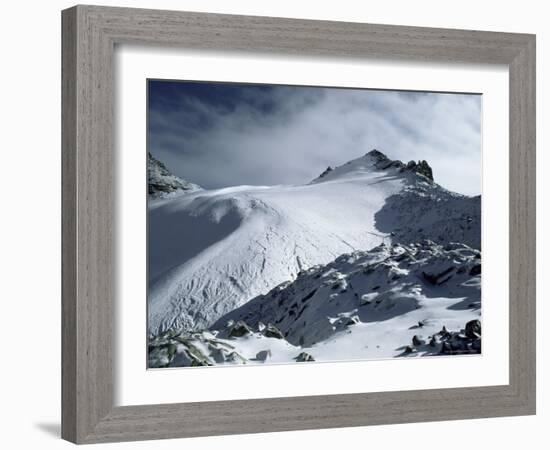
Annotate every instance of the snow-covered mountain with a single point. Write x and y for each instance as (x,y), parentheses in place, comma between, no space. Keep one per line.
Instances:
(394,300)
(162,183)
(211,251)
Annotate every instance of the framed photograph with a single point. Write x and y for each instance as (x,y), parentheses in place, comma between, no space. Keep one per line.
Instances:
(322,224)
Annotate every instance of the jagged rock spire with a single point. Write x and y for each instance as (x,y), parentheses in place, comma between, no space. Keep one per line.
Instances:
(422,168)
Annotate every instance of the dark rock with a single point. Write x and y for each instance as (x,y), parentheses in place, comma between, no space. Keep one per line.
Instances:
(446,348)
(416,341)
(304,357)
(263,355)
(475,270)
(437,278)
(377,155)
(423,168)
(473,329)
(326,172)
(161,181)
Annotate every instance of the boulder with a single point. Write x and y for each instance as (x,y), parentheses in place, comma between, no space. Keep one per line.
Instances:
(473,329)
(304,357)
(240,329)
(263,355)
(408,349)
(271,331)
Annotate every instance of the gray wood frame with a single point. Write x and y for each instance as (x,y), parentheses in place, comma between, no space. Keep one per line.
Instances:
(89,36)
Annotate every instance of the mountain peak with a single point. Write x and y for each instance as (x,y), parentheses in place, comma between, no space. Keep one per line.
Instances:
(378,155)
(375,160)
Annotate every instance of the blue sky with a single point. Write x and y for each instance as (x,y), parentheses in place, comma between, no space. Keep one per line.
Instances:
(223,134)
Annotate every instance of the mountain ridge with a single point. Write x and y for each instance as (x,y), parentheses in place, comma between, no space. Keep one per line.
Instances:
(375,160)
(210,251)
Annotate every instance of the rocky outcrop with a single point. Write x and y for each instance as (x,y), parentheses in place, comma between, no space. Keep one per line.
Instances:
(239,329)
(161,182)
(272,331)
(421,168)
(183,349)
(370,286)
(462,342)
(304,357)
(383,162)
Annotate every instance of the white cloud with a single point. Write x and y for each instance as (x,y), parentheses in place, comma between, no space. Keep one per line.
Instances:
(289,135)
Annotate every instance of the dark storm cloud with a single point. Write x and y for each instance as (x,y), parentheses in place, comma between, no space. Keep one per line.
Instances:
(217,134)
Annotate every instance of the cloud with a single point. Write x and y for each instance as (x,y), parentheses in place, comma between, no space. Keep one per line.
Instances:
(221,135)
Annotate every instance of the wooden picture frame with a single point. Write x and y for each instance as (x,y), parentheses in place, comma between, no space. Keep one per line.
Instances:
(90,34)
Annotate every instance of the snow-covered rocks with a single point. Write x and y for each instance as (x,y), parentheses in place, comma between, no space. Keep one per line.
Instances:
(179,348)
(425,280)
(376,161)
(162,183)
(391,301)
(304,357)
(464,341)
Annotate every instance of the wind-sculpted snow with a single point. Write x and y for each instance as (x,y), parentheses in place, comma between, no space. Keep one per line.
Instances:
(211,251)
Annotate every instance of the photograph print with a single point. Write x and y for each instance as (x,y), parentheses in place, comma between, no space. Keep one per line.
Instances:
(296,224)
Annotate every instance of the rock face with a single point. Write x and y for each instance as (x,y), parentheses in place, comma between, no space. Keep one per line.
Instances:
(410,216)
(383,163)
(421,168)
(473,329)
(161,182)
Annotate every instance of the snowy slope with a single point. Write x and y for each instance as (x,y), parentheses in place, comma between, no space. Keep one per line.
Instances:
(390,301)
(212,251)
